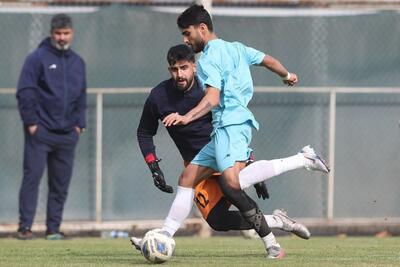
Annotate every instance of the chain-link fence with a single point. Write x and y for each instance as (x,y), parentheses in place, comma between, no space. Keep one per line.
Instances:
(126,47)
(365,146)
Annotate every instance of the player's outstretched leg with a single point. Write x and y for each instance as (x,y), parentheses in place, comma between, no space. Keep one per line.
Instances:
(290,225)
(281,221)
(313,161)
(262,170)
(258,222)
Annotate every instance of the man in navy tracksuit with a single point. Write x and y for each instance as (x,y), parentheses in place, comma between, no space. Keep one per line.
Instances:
(51,97)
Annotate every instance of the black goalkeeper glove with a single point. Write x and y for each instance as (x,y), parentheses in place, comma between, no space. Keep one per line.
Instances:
(261,188)
(158,177)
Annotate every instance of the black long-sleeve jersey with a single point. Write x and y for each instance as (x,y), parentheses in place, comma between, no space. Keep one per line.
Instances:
(165,99)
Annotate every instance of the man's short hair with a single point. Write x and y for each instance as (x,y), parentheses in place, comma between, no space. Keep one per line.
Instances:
(61,21)
(180,52)
(193,16)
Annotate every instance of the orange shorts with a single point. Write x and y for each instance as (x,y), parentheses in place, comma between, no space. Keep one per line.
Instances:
(207,194)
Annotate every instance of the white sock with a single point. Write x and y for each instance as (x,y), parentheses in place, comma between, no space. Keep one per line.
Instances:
(179,210)
(269,241)
(256,172)
(262,170)
(290,163)
(274,221)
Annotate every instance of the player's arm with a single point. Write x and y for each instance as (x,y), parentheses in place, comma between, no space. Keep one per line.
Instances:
(275,66)
(82,104)
(26,93)
(147,129)
(210,100)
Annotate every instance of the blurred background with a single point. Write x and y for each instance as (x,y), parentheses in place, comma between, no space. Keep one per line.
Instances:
(346,105)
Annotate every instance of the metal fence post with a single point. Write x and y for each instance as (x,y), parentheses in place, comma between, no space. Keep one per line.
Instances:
(332,129)
(99,154)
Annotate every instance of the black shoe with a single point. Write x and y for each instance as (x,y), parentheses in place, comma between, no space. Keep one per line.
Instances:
(55,236)
(25,234)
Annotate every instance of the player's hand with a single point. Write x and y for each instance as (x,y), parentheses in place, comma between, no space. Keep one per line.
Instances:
(175,119)
(292,80)
(32,129)
(262,190)
(158,177)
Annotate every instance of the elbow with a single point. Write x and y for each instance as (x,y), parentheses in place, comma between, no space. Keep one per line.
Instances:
(212,97)
(143,136)
(140,134)
(214,103)
(214,100)
(269,62)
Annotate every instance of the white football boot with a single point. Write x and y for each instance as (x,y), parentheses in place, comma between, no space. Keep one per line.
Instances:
(275,252)
(289,225)
(136,242)
(313,161)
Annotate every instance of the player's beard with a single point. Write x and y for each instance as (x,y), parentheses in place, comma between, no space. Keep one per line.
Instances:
(198,44)
(62,46)
(185,86)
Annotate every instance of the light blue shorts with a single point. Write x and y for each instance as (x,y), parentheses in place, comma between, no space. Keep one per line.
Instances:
(228,145)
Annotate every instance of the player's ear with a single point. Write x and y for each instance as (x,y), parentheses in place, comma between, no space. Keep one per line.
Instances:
(203,28)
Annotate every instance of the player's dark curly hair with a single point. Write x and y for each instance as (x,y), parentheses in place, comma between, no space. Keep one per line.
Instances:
(61,21)
(180,52)
(193,16)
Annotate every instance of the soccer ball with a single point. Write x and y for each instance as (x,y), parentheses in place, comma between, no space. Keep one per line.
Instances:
(157,246)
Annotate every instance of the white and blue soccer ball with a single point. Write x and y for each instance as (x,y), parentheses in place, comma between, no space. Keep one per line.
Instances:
(157,246)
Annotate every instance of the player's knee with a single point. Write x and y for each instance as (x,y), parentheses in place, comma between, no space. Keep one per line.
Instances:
(235,185)
(229,190)
(186,180)
(231,182)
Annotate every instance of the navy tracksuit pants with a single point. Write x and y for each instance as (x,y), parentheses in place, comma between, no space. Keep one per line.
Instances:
(56,151)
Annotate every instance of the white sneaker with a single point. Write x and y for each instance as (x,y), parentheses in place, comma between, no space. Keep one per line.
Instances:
(290,225)
(313,161)
(136,242)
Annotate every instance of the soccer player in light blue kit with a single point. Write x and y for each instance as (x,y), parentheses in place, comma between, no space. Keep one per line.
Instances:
(224,70)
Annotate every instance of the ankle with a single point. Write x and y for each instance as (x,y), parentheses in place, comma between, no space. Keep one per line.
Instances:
(270,241)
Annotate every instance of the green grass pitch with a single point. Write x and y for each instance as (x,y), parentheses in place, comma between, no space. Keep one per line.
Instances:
(194,251)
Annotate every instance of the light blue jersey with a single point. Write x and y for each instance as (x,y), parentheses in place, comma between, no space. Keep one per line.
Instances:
(226,66)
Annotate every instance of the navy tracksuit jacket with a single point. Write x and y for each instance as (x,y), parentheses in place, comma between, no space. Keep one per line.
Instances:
(51,94)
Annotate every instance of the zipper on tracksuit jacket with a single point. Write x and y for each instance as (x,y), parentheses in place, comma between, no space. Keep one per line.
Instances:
(65,83)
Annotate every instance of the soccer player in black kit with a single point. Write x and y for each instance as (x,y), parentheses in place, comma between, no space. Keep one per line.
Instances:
(181,93)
